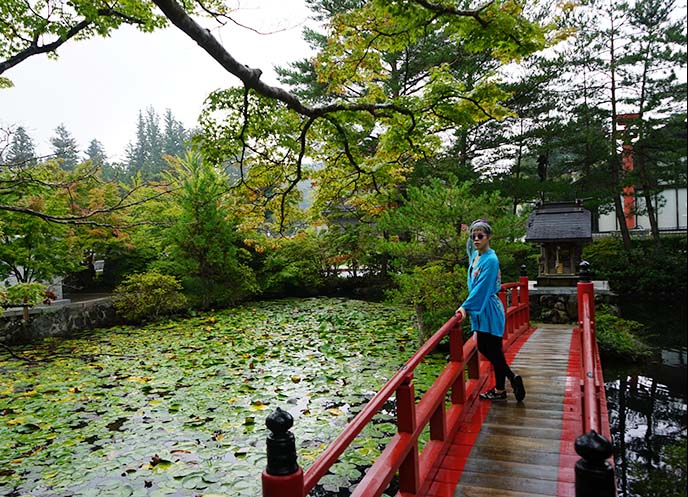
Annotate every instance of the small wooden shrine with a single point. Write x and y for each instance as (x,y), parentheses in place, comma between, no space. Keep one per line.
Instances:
(561,229)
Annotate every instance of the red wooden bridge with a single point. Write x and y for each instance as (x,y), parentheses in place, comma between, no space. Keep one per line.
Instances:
(554,443)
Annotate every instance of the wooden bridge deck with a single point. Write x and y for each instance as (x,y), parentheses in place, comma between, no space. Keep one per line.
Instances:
(512,449)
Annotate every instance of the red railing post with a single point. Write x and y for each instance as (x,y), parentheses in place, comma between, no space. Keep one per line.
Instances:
(585,287)
(282,477)
(523,295)
(594,475)
(409,472)
(458,389)
(507,327)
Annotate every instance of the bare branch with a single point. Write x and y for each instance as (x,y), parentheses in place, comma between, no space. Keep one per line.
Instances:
(299,163)
(218,16)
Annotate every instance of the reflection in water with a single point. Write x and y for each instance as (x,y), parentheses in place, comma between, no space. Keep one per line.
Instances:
(648,417)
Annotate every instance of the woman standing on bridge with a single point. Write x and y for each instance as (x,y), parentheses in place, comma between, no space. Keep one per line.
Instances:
(486,309)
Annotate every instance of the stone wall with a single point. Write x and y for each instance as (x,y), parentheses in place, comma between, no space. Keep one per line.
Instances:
(562,308)
(56,320)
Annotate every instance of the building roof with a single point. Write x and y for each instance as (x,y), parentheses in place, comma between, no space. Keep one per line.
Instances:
(559,221)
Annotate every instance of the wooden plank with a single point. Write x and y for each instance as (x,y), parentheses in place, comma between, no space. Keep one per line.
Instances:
(517,450)
(497,484)
(470,491)
(520,469)
(541,458)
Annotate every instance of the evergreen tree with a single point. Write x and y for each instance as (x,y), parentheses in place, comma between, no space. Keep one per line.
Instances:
(146,154)
(204,245)
(155,163)
(174,136)
(655,56)
(65,148)
(22,151)
(136,152)
(96,153)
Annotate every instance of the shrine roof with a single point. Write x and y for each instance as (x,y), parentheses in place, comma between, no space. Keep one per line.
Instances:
(559,221)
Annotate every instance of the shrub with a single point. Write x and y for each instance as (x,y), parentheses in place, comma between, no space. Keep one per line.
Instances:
(434,292)
(295,267)
(22,293)
(643,271)
(618,337)
(147,296)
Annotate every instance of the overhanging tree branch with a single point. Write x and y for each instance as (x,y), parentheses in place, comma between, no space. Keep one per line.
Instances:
(86,218)
(35,49)
(250,77)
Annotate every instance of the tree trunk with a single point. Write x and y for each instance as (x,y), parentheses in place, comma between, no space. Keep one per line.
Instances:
(420,322)
(651,213)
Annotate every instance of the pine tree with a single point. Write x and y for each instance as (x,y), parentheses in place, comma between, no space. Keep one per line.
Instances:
(22,151)
(96,153)
(136,152)
(655,56)
(146,154)
(65,147)
(154,164)
(174,136)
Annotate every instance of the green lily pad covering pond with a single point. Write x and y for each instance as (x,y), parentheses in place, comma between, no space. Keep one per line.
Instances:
(178,408)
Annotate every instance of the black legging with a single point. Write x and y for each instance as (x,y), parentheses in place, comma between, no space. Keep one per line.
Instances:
(491,347)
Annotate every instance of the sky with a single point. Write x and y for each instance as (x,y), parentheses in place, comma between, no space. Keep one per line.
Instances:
(97,87)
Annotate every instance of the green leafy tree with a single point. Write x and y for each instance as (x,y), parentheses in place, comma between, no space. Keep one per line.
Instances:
(29,31)
(203,247)
(293,266)
(369,37)
(24,294)
(33,249)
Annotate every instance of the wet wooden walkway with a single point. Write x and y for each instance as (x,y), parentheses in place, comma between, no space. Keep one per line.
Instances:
(510,449)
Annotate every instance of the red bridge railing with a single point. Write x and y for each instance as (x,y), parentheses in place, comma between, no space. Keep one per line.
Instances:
(462,378)
(594,471)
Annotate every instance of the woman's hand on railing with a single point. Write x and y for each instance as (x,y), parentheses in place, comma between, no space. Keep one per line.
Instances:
(460,313)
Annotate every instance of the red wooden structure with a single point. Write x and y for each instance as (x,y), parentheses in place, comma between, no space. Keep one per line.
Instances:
(462,378)
(594,471)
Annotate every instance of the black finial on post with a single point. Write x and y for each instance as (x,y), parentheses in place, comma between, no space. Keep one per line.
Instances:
(594,474)
(281,445)
(524,270)
(585,275)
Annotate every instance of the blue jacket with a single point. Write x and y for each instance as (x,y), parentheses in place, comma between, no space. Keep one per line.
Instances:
(483,304)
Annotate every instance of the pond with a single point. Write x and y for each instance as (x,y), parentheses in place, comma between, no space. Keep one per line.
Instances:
(648,408)
(178,408)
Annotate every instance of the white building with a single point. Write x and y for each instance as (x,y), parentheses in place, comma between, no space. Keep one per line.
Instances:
(671,210)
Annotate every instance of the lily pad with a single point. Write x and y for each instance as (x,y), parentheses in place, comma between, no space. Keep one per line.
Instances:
(197,400)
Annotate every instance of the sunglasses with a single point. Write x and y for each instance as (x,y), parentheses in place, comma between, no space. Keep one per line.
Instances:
(478,236)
